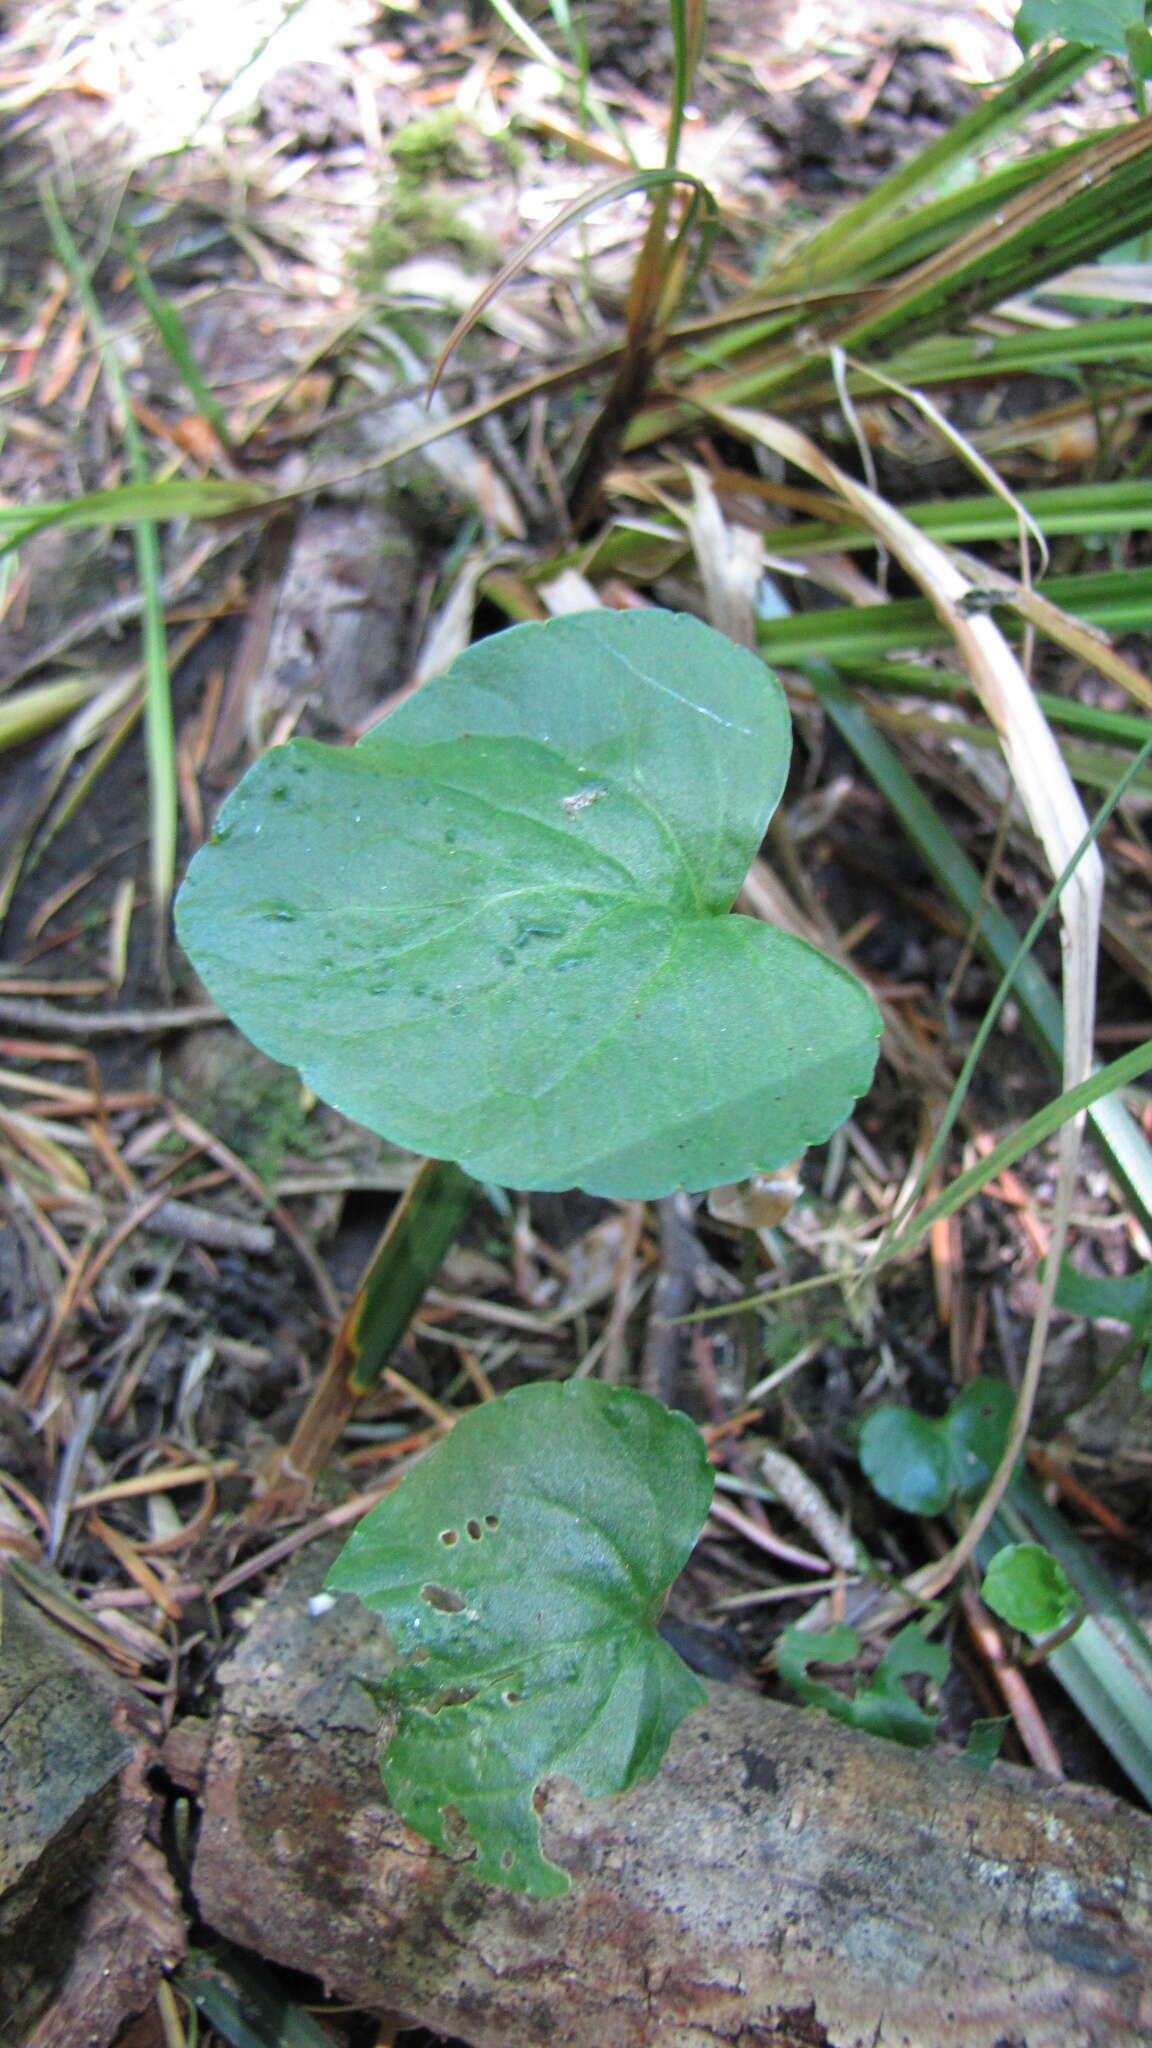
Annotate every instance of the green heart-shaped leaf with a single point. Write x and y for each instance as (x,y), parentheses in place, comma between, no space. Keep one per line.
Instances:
(1123,1298)
(976,1430)
(496,930)
(1101,24)
(919,1464)
(906,1458)
(520,1568)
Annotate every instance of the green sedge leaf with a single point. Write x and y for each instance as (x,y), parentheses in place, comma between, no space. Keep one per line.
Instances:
(497,930)
(520,1569)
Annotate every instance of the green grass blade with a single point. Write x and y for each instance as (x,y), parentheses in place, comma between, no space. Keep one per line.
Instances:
(132,504)
(689,20)
(1091,1095)
(1116,1130)
(874,237)
(574,68)
(1032,86)
(1120,343)
(416,1240)
(1130,1067)
(29,712)
(159,733)
(1008,978)
(1123,506)
(1084,212)
(1094,767)
(893,245)
(1118,601)
(244,2002)
(1097,194)
(173,338)
(420,1234)
(525,34)
(755,352)
(1122,728)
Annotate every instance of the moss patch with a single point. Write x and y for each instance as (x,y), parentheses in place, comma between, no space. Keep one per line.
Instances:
(260,1110)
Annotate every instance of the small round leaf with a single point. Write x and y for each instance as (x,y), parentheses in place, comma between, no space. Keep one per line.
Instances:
(906,1458)
(1028,1588)
(976,1431)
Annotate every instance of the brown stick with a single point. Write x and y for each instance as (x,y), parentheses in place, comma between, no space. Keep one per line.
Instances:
(781,1881)
(32,1016)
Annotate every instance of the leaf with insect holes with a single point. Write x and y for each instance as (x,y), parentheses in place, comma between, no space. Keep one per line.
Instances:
(520,1569)
(497,930)
(884,1705)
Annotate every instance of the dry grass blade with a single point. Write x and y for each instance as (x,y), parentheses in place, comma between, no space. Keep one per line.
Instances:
(1087,643)
(963,447)
(1058,819)
(159,736)
(216,1149)
(601,195)
(731,562)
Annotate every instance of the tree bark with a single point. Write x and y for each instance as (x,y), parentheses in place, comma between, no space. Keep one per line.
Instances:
(89,1917)
(781,1881)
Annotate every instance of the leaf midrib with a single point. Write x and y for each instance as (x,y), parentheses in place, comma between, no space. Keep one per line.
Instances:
(629,792)
(639,1635)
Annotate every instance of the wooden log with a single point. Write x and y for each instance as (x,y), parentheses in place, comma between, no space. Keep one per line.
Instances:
(89,1916)
(781,1881)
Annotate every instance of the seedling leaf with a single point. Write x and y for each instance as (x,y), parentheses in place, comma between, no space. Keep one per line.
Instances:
(1097,24)
(496,930)
(1120,1298)
(883,1706)
(919,1464)
(520,1569)
(1028,1588)
(798,1648)
(906,1458)
(976,1430)
(1123,1298)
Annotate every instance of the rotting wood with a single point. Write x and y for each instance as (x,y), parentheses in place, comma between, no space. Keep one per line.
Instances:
(89,1916)
(781,1881)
